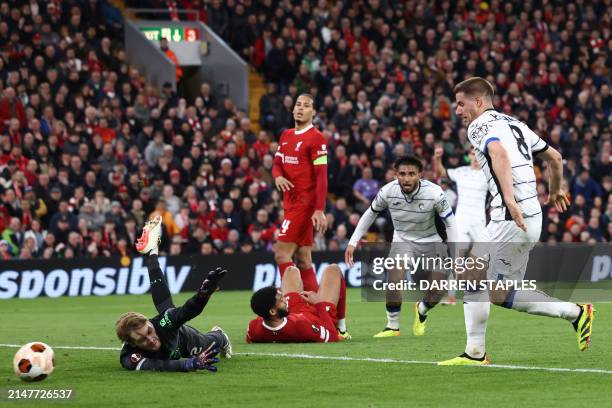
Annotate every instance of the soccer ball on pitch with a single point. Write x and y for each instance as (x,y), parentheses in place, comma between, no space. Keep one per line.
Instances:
(34,361)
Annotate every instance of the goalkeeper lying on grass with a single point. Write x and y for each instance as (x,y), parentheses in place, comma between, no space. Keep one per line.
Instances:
(165,342)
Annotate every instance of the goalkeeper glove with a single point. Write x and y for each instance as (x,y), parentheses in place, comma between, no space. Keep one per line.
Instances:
(211,282)
(203,361)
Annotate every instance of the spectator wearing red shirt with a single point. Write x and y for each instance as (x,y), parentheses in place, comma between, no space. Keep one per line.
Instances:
(11,107)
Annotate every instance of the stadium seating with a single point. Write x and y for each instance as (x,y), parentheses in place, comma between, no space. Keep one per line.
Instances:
(88,150)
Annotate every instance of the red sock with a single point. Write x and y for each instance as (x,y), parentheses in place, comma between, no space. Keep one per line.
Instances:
(283,267)
(341,308)
(309,279)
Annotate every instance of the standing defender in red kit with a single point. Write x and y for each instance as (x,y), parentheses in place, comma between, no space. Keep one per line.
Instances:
(292,315)
(300,172)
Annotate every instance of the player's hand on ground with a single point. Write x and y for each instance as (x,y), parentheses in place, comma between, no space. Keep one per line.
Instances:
(559,200)
(283,184)
(517,215)
(211,282)
(310,297)
(348,255)
(319,221)
(205,360)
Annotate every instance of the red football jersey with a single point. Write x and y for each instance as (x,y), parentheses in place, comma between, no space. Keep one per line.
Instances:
(296,328)
(298,151)
(304,324)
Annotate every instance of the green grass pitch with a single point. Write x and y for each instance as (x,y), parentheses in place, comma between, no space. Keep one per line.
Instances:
(255,380)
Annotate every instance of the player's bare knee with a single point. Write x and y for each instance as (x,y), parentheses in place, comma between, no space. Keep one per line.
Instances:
(292,281)
(335,268)
(292,272)
(333,271)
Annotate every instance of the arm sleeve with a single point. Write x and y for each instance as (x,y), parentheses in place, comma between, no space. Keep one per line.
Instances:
(318,155)
(444,210)
(175,317)
(328,328)
(363,225)
(538,145)
(442,207)
(452,174)
(321,186)
(136,362)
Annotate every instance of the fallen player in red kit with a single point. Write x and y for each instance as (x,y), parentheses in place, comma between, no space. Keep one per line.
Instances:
(292,315)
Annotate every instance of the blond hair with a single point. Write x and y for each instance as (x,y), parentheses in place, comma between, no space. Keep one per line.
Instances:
(475,86)
(127,323)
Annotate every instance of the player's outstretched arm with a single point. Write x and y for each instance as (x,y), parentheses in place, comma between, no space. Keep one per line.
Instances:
(194,305)
(363,226)
(204,361)
(556,196)
(438,167)
(500,164)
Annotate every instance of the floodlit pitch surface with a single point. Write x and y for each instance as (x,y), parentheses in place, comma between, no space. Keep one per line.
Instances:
(539,362)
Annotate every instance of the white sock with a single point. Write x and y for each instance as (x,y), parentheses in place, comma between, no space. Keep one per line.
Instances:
(393,320)
(476,315)
(341,325)
(154,251)
(539,303)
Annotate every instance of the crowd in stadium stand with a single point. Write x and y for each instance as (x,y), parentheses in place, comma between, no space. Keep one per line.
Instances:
(89,150)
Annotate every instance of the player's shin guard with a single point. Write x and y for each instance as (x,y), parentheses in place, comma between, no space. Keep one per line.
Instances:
(539,303)
(341,308)
(309,279)
(283,267)
(476,313)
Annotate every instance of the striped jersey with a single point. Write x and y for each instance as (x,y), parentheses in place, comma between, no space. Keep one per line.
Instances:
(472,195)
(413,214)
(521,143)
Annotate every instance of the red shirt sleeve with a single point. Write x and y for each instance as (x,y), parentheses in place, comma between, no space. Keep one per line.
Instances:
(318,154)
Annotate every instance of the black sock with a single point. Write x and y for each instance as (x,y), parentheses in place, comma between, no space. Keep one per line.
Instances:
(159,289)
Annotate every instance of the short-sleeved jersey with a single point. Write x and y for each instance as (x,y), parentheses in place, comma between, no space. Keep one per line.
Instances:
(521,143)
(413,214)
(472,195)
(299,151)
(304,324)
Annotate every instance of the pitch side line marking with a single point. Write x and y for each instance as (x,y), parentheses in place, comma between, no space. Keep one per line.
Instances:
(363,359)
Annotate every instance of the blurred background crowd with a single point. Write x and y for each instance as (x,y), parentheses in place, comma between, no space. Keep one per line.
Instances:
(89,150)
